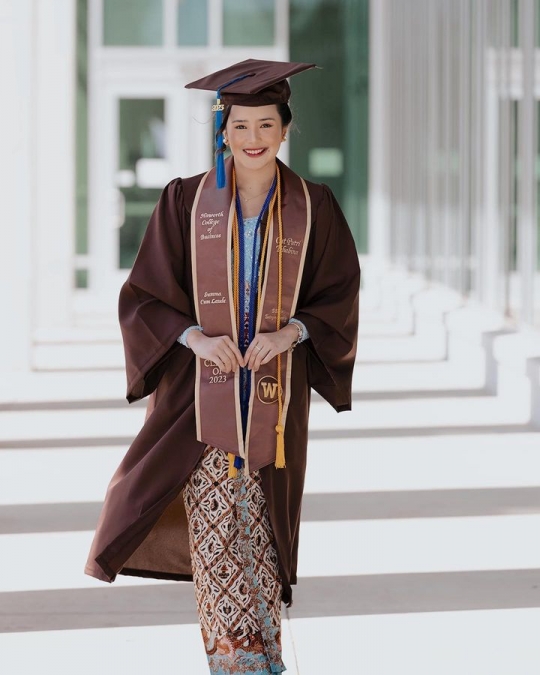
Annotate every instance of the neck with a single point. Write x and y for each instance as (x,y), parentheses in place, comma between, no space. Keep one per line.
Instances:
(254,182)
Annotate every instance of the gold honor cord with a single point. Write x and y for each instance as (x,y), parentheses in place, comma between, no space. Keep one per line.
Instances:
(280,429)
(236,257)
(236,273)
(280,442)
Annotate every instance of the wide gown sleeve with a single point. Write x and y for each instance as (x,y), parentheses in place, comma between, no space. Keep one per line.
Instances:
(328,304)
(154,304)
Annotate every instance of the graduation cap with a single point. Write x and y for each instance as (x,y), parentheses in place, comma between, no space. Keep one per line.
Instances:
(252,82)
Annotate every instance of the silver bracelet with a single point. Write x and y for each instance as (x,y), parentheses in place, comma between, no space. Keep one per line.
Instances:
(300,334)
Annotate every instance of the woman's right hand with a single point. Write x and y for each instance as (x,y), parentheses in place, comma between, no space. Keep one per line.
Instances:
(221,350)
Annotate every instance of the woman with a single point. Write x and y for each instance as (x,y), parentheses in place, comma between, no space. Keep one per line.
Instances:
(243,296)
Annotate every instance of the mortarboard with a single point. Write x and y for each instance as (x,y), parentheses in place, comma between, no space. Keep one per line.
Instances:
(252,83)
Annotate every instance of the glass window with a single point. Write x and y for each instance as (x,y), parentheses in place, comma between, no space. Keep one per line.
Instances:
(142,169)
(81,278)
(537,23)
(514,26)
(132,23)
(81,152)
(248,23)
(332,146)
(192,23)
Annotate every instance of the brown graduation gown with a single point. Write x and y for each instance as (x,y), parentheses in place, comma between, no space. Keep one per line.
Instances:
(142,529)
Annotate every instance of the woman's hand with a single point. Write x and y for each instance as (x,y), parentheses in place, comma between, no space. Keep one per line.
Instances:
(266,346)
(221,350)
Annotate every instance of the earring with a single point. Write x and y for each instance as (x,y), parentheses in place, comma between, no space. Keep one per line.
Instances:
(226,141)
(284,138)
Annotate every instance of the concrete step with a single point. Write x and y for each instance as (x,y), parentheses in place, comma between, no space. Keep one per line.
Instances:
(361,547)
(370,465)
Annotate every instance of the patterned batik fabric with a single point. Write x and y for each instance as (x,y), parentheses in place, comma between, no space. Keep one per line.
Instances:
(235,568)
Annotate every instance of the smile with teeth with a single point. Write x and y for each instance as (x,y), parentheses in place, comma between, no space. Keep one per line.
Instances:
(255,152)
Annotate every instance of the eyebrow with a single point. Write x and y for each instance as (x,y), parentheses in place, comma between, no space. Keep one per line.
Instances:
(263,119)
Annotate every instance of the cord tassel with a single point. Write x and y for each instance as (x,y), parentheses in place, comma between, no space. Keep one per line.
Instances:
(233,471)
(280,447)
(218,108)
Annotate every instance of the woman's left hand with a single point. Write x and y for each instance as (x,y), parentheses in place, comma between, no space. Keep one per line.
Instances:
(265,346)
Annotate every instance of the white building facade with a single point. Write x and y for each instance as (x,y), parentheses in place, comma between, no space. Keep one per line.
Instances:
(100,121)
(455,155)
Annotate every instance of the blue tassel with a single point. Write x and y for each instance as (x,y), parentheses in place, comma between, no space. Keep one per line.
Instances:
(220,169)
(218,109)
(220,160)
(238,461)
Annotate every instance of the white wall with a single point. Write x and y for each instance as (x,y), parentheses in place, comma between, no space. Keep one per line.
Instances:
(379,215)
(16,181)
(54,163)
(37,81)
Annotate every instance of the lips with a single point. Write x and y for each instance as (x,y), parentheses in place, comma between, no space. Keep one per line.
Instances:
(255,152)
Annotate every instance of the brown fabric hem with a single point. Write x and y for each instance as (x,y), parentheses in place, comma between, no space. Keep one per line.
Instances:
(108,560)
(150,574)
(136,388)
(115,554)
(97,572)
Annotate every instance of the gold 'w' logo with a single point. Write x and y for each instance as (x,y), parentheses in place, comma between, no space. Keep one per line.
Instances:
(267,389)
(270,390)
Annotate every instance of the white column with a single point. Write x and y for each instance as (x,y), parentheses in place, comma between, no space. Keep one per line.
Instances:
(378,209)
(54,163)
(489,235)
(527,213)
(16,182)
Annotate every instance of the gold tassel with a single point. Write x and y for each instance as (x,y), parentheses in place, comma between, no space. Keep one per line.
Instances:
(233,471)
(280,447)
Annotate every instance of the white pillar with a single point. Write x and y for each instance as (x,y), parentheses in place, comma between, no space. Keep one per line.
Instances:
(54,164)
(16,182)
(490,230)
(379,211)
(527,213)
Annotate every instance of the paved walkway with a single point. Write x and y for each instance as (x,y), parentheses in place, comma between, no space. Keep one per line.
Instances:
(420,547)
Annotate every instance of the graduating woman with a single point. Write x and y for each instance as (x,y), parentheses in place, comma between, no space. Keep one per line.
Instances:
(243,297)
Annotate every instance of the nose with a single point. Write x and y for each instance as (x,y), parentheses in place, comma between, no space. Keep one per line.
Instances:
(253,134)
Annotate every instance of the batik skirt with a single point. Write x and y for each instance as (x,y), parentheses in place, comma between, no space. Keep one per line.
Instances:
(235,568)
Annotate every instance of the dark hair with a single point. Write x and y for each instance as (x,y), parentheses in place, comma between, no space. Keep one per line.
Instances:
(282,108)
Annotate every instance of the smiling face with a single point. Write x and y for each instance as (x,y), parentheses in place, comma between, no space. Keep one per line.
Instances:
(254,135)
